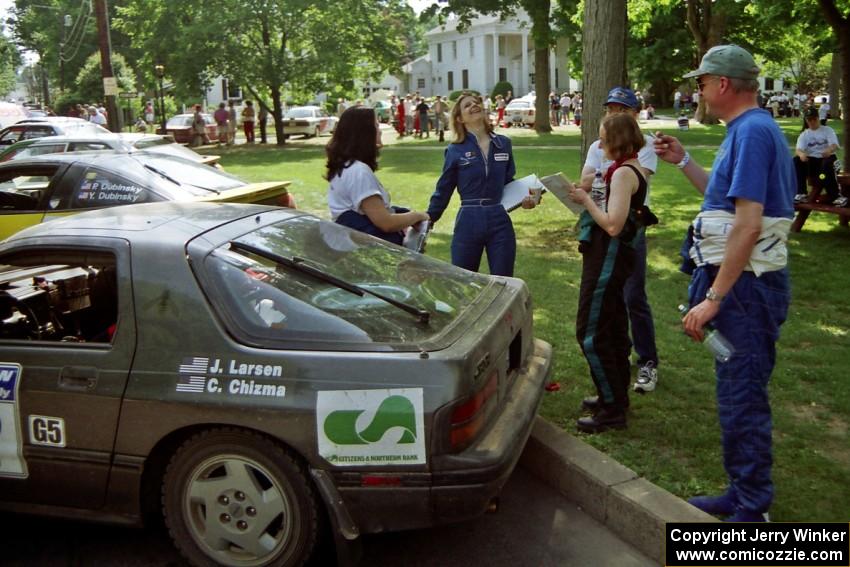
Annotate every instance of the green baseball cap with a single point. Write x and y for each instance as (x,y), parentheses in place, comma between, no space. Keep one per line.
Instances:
(727,61)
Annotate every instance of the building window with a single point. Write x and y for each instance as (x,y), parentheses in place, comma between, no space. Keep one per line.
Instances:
(471,48)
(439,53)
(454,50)
(465,79)
(420,83)
(450,81)
(503,74)
(233,91)
(501,46)
(768,84)
(557,82)
(531,78)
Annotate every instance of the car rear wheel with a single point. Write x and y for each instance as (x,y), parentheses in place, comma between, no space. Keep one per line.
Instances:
(232,497)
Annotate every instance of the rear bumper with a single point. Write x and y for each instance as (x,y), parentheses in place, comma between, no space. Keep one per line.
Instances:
(460,486)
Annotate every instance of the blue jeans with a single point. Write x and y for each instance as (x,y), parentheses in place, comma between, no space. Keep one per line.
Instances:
(749,317)
(488,228)
(640,314)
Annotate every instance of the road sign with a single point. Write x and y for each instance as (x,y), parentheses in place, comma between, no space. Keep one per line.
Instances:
(128,95)
(110,86)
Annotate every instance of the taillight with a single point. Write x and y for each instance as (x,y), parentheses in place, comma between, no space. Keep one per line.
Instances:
(469,417)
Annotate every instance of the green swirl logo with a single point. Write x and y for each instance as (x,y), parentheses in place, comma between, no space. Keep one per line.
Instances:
(395,411)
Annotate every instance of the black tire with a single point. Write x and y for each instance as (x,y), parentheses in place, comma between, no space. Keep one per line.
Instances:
(233,497)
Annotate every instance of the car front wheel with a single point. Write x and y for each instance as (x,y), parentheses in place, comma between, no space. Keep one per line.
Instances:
(233,497)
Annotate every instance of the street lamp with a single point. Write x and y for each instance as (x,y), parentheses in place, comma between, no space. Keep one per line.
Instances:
(159,69)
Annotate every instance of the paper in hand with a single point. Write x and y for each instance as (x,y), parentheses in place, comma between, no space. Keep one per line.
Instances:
(517,190)
(560,186)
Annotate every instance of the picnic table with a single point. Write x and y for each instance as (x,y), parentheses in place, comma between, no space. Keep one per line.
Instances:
(805,209)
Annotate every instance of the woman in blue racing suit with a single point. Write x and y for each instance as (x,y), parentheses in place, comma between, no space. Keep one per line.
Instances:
(479,163)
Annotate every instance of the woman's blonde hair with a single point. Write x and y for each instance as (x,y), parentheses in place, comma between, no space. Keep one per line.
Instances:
(623,137)
(457,123)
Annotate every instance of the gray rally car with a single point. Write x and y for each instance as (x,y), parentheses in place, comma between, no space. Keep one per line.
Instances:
(252,374)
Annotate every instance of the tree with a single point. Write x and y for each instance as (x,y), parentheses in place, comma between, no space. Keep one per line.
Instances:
(10,59)
(603,60)
(268,47)
(839,20)
(89,83)
(658,65)
(540,13)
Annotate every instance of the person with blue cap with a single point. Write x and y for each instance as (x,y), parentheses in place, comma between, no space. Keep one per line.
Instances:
(738,256)
(623,99)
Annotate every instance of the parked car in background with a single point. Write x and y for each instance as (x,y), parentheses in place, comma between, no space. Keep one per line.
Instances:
(121,142)
(520,112)
(383,111)
(48,126)
(179,127)
(254,375)
(308,121)
(37,189)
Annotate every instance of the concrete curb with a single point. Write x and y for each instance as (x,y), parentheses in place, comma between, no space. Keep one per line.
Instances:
(632,507)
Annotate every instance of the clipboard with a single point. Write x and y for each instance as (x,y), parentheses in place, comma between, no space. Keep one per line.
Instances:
(518,189)
(560,186)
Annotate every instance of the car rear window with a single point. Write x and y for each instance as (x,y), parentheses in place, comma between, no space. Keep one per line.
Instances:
(179,121)
(299,113)
(270,303)
(190,174)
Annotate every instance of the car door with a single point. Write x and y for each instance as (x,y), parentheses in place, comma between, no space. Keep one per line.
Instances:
(25,193)
(67,339)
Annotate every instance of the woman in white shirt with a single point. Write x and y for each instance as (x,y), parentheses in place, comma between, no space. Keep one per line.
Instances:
(355,196)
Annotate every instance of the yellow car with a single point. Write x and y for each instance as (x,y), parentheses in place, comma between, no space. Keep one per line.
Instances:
(34,190)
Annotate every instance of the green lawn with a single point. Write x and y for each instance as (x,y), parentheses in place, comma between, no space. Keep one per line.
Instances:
(673,438)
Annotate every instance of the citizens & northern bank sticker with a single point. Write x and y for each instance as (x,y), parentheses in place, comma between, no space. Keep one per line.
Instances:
(371,427)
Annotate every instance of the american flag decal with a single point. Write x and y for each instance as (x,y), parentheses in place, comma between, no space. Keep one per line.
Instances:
(196,365)
(191,384)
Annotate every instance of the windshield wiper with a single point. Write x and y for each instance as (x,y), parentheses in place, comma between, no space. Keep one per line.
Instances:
(161,174)
(297,264)
(168,177)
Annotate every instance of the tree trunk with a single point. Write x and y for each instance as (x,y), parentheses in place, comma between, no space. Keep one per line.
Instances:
(841,29)
(707,27)
(835,84)
(542,124)
(603,61)
(277,113)
(540,34)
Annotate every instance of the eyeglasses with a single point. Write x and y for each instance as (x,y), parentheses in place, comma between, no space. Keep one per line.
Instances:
(701,83)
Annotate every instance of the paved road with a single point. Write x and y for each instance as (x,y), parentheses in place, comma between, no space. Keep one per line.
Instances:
(534,527)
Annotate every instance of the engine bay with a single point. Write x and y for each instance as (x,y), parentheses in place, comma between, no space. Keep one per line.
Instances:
(58,302)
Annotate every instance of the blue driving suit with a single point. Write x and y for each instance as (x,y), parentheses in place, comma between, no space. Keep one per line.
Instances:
(482,223)
(753,163)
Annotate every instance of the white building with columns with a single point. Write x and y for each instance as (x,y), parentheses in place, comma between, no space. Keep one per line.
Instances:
(488,52)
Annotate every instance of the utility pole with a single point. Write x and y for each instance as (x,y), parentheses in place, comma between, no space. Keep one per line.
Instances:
(109,81)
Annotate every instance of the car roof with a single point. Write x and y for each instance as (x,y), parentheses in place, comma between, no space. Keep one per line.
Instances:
(90,137)
(49,120)
(168,223)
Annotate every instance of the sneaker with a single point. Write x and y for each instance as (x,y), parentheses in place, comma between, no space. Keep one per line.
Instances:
(724,505)
(840,202)
(602,420)
(801,198)
(647,377)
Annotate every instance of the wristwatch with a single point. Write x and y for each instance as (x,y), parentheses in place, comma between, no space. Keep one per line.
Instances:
(712,295)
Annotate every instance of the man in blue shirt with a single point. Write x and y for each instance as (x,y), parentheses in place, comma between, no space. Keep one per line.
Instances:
(740,279)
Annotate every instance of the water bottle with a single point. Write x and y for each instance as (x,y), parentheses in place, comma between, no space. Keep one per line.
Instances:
(714,341)
(597,190)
